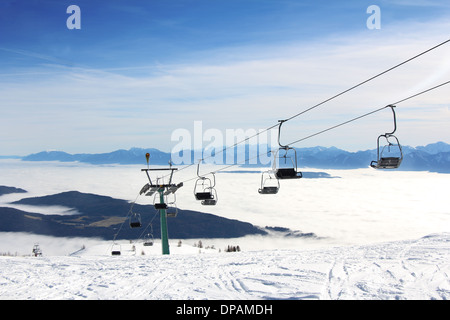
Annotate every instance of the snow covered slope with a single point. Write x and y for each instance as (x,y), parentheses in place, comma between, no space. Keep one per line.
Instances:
(415,269)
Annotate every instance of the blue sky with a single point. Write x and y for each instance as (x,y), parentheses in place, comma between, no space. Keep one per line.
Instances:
(128,33)
(138,70)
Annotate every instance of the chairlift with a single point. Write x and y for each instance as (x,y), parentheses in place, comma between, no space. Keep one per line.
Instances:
(37,252)
(285,160)
(212,201)
(169,206)
(267,183)
(285,166)
(172,210)
(135,220)
(389,156)
(157,205)
(116,249)
(204,190)
(160,206)
(148,240)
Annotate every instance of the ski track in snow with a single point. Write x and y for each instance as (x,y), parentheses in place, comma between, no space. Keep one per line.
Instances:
(416,269)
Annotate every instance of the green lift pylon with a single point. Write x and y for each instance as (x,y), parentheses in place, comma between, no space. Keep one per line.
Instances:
(163,189)
(163,222)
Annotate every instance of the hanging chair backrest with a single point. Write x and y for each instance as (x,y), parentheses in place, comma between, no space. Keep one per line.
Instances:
(204,195)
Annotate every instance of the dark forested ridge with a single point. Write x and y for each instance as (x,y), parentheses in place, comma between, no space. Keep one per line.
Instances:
(102,216)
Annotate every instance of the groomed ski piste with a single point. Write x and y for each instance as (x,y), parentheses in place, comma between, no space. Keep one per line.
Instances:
(416,269)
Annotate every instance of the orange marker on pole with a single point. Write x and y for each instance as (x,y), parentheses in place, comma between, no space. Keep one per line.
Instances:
(147,156)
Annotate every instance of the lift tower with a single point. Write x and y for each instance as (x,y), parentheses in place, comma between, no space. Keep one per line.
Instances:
(163,190)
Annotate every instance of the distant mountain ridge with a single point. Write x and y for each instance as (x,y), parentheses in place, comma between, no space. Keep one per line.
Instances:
(131,156)
(8,190)
(433,157)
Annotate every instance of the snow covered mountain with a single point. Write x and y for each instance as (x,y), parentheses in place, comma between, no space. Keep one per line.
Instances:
(401,270)
(371,243)
(131,156)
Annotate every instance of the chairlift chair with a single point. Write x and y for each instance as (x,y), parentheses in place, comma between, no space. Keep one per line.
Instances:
(148,240)
(172,209)
(390,156)
(204,195)
(267,186)
(135,220)
(116,250)
(204,190)
(289,170)
(160,206)
(212,200)
(208,194)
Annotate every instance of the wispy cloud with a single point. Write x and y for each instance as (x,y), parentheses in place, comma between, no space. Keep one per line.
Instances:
(35,55)
(81,109)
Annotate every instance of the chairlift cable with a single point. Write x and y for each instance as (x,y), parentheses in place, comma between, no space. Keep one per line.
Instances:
(372,112)
(150,223)
(370,79)
(331,128)
(126,217)
(334,97)
(338,125)
(422,92)
(229,147)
